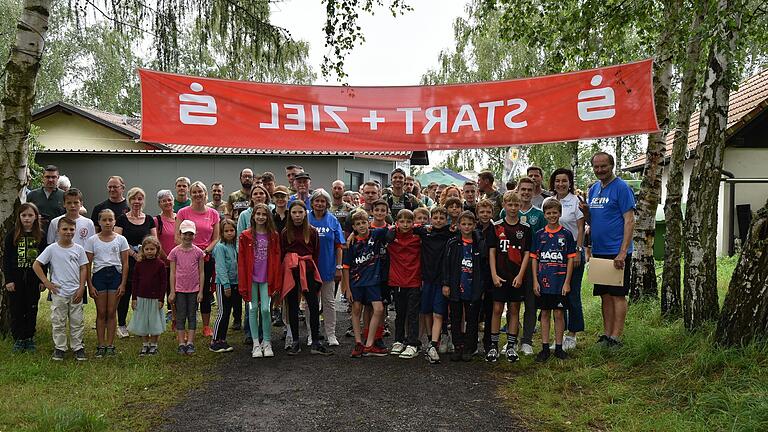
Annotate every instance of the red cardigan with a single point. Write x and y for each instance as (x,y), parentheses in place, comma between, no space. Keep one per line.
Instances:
(245,255)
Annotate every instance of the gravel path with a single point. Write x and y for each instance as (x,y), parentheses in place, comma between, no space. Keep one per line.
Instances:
(307,392)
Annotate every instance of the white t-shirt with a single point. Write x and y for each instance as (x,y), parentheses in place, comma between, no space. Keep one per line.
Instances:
(84,229)
(571,214)
(106,254)
(65,266)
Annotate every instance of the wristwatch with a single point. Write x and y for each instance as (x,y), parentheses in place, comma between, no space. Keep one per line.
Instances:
(339,267)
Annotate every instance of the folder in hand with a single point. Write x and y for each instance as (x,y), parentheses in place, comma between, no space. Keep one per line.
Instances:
(602,271)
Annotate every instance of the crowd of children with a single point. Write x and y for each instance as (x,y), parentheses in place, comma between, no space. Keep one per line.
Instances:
(446,269)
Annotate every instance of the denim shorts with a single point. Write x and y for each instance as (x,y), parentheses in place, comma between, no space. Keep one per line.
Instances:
(107,279)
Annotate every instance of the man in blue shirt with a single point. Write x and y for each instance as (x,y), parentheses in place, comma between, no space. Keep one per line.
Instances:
(302,182)
(612,219)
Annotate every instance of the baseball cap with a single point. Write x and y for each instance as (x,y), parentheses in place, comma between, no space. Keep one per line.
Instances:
(187,226)
(302,175)
(281,190)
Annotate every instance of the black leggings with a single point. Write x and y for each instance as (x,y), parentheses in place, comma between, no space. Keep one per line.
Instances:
(221,323)
(293,299)
(208,267)
(125,300)
(467,340)
(23,305)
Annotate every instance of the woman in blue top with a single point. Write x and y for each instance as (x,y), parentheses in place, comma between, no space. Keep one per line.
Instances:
(329,263)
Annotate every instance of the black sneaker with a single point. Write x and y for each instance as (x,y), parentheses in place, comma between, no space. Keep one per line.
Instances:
(294,349)
(182,349)
(492,355)
(349,332)
(561,354)
(614,343)
(144,350)
(220,347)
(80,355)
(190,349)
(101,351)
(58,355)
(602,340)
(152,350)
(320,349)
(109,350)
(542,356)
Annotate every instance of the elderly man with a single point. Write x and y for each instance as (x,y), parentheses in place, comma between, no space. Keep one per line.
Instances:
(302,182)
(49,199)
(115,200)
(240,200)
(612,219)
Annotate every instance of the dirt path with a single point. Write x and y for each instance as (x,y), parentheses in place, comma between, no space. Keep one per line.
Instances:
(307,392)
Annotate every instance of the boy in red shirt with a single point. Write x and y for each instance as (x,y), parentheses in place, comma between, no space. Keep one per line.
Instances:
(404,250)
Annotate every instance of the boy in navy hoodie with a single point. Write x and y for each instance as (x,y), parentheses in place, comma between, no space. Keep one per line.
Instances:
(464,274)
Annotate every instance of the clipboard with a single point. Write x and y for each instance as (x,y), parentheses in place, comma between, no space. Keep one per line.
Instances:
(602,271)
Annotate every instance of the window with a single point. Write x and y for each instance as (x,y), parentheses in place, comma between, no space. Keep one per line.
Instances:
(382,178)
(353,180)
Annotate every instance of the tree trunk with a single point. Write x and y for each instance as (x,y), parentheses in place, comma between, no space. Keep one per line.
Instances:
(745,312)
(619,151)
(671,306)
(15,118)
(700,269)
(643,265)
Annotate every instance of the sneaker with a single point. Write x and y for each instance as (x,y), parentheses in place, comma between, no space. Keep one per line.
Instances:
(443,345)
(397,348)
(152,350)
(80,355)
(512,354)
(294,349)
(288,342)
(542,356)
(614,343)
(561,354)
(58,355)
(266,347)
(18,346)
(602,340)
(409,352)
(380,343)
(144,350)
(350,332)
(526,349)
(375,351)
(320,349)
(190,349)
(333,341)
(122,332)
(309,340)
(30,345)
(110,350)
(569,343)
(182,349)
(432,355)
(357,351)
(257,352)
(387,332)
(101,351)
(219,347)
(207,331)
(492,355)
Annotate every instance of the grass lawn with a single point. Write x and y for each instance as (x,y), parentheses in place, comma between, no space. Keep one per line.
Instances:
(664,378)
(125,392)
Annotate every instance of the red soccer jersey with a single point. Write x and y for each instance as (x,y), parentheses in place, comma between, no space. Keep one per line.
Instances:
(405,260)
(511,243)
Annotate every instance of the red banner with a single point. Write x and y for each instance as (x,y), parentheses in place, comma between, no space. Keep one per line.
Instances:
(598,103)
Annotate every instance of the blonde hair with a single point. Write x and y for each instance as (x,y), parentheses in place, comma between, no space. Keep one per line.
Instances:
(147,240)
(199,184)
(511,196)
(132,192)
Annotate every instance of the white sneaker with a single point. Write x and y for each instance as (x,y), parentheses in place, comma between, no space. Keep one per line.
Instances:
(443,345)
(266,347)
(122,332)
(288,341)
(309,340)
(332,341)
(397,348)
(257,353)
(569,343)
(432,355)
(526,349)
(409,352)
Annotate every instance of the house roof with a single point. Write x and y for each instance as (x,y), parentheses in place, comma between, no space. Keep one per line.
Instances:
(131,127)
(744,105)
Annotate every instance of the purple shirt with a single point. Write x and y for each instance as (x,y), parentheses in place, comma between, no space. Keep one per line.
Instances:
(260,258)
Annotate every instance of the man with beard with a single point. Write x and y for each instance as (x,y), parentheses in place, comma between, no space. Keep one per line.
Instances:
(217,192)
(268,181)
(240,200)
(49,199)
(115,201)
(537,175)
(339,208)
(399,198)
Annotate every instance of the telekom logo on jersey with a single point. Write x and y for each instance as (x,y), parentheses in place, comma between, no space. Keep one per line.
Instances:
(597,103)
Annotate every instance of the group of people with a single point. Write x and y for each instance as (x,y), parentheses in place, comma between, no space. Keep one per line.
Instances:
(451,260)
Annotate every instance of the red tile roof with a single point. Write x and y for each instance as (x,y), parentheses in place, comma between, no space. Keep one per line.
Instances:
(744,105)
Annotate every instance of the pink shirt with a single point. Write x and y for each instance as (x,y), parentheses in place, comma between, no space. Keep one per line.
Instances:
(187,268)
(167,240)
(204,222)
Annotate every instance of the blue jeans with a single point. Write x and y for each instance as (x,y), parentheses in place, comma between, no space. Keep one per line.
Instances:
(574,315)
